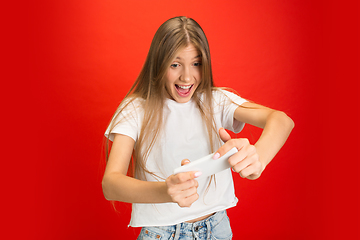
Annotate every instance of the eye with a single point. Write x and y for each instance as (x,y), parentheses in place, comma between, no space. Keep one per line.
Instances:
(174,65)
(197,64)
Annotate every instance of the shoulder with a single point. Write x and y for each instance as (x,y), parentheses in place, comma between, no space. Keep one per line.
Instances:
(130,108)
(219,96)
(225,97)
(131,103)
(224,94)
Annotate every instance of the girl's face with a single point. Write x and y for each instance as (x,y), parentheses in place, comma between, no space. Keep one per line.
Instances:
(184,74)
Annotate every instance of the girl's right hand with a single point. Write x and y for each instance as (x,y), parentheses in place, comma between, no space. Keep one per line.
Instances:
(182,187)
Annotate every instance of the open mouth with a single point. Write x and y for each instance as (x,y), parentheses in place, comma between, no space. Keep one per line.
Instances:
(184,90)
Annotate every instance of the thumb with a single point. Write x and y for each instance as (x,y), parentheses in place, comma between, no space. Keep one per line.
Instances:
(224,135)
(184,162)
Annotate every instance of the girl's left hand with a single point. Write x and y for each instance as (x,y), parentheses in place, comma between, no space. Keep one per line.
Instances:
(246,161)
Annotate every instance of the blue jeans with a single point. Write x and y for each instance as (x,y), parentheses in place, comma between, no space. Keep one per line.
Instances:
(215,227)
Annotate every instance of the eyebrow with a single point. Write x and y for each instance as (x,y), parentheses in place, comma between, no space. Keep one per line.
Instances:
(192,59)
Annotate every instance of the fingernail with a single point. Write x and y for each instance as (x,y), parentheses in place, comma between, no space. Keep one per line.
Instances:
(198,174)
(216,156)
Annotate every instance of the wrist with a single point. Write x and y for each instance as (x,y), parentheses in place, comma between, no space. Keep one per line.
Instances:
(265,155)
(165,193)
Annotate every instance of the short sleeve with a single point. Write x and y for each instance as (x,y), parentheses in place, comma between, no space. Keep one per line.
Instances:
(126,121)
(227,102)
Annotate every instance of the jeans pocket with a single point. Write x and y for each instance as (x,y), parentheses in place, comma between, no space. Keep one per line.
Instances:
(222,231)
(150,233)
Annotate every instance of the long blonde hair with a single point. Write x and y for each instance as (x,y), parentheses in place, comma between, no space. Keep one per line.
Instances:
(172,36)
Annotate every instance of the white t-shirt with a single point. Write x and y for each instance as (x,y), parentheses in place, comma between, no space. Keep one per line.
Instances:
(184,137)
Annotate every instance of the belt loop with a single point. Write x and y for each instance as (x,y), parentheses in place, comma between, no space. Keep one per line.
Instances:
(208,229)
(177,231)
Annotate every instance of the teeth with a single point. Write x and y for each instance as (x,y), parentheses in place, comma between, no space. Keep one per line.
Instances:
(184,87)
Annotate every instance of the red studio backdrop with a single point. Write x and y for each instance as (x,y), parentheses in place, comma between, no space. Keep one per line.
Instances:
(73,62)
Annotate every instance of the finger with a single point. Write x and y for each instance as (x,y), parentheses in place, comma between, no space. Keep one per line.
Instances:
(185,161)
(182,190)
(251,172)
(224,135)
(178,189)
(189,192)
(238,143)
(187,202)
(192,198)
(185,193)
(246,152)
(190,184)
(185,176)
(239,166)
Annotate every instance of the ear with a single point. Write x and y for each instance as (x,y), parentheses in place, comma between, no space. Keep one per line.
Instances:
(224,135)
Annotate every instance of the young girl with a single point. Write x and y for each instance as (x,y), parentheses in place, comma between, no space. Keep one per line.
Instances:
(174,114)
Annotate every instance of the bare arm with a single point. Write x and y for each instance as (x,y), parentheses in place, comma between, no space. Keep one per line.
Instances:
(117,186)
(276,124)
(180,188)
(251,160)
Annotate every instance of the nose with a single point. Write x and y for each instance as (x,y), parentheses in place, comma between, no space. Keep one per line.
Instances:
(186,75)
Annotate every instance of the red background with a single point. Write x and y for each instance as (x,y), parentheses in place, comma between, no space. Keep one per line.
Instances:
(68,64)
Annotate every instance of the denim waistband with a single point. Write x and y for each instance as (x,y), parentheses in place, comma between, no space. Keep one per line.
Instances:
(198,230)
